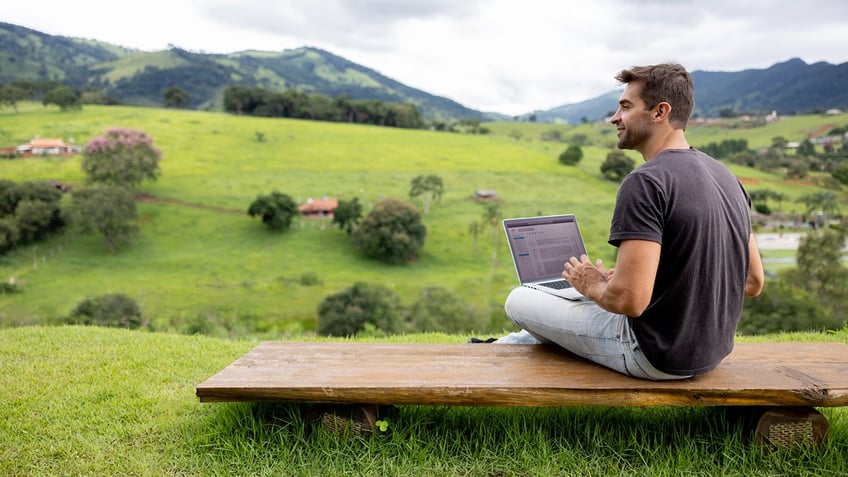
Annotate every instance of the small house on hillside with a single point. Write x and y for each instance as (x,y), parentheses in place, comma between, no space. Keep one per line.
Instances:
(318,208)
(485,194)
(47,147)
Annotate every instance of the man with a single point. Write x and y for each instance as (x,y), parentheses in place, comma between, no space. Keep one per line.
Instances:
(686,257)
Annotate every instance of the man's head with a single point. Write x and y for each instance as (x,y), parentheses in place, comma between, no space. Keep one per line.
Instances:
(668,83)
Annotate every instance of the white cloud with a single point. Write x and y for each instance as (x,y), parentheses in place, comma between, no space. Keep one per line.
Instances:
(494,55)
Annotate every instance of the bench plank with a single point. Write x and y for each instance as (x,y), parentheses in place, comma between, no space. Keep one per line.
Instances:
(755,374)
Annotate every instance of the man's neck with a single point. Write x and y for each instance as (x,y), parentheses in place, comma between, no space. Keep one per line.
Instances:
(670,139)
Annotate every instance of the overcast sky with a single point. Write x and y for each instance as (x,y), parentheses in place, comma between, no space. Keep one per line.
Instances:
(506,56)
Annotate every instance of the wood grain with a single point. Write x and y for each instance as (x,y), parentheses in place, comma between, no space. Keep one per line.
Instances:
(762,374)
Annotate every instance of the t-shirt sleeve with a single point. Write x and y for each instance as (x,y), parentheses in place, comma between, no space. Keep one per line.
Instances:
(639,210)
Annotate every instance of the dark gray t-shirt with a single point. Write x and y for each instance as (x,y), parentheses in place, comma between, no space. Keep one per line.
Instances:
(698,211)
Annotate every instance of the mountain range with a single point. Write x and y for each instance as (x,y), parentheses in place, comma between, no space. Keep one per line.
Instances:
(140,77)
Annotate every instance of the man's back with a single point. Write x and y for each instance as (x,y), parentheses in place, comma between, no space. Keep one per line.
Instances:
(696,209)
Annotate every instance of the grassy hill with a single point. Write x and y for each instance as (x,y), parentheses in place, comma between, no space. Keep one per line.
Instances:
(96,401)
(201,259)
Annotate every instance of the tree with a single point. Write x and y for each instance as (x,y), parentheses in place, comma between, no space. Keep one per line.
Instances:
(437,309)
(806,148)
(616,166)
(820,202)
(430,188)
(277,210)
(347,214)
(10,94)
(121,157)
(391,232)
(107,210)
(174,97)
(820,269)
(571,156)
(36,219)
(37,212)
(9,234)
(492,219)
(8,197)
(64,97)
(346,313)
(841,174)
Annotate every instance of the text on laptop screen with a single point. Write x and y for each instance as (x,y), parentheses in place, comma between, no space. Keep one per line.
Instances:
(541,245)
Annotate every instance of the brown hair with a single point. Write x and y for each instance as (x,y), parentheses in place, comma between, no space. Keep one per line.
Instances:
(667,82)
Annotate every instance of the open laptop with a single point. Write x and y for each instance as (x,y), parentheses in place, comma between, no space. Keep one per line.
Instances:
(540,246)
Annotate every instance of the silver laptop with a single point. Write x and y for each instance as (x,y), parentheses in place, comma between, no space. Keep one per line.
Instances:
(540,246)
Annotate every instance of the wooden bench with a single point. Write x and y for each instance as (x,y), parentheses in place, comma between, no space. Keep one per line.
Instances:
(783,380)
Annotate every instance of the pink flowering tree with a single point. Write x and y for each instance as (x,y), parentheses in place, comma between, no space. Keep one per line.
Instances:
(121,157)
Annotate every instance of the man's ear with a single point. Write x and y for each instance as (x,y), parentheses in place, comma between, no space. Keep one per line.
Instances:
(662,111)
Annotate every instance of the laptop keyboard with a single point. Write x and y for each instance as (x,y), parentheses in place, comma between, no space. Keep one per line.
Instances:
(556,284)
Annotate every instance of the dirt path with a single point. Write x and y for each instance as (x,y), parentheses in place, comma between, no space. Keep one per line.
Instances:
(154,200)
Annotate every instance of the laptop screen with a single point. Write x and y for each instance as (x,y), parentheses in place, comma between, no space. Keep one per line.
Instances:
(540,246)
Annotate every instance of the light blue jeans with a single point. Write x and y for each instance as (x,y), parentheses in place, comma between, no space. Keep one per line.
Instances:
(581,327)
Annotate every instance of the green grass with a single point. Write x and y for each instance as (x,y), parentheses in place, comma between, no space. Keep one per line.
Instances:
(200,256)
(96,401)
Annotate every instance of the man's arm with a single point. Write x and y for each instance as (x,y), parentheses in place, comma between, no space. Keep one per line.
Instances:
(629,289)
(756,274)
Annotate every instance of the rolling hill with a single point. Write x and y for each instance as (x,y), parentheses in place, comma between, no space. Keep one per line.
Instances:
(140,78)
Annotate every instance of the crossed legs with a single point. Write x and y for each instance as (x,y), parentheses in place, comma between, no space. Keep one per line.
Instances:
(583,328)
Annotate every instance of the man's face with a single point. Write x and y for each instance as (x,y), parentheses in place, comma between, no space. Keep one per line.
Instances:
(632,120)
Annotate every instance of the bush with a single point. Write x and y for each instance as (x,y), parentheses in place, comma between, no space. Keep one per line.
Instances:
(309,279)
(391,232)
(437,309)
(276,210)
(616,166)
(348,312)
(113,310)
(571,156)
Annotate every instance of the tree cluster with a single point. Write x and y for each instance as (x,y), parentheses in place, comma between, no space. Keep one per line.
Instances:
(796,165)
(114,164)
(299,105)
(811,297)
(366,307)
(29,212)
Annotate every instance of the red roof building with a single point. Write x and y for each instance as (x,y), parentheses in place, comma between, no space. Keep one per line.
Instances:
(47,147)
(318,208)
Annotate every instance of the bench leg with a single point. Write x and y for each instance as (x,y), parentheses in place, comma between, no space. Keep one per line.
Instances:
(359,419)
(791,427)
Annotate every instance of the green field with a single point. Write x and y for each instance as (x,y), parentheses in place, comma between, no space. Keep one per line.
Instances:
(199,255)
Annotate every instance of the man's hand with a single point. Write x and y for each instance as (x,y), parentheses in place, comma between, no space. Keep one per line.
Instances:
(586,277)
(628,289)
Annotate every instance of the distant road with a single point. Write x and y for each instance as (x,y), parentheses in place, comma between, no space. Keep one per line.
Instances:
(774,241)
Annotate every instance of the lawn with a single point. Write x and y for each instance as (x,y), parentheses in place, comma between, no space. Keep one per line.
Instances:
(96,401)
